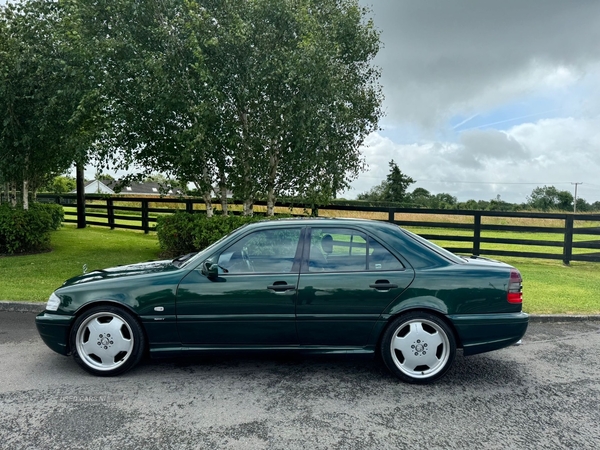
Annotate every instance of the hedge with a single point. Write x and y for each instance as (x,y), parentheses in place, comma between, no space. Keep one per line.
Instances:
(23,231)
(182,232)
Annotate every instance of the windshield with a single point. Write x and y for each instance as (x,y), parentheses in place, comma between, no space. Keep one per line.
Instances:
(196,257)
(436,248)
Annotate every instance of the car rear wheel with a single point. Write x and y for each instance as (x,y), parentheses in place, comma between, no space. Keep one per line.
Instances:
(107,340)
(418,347)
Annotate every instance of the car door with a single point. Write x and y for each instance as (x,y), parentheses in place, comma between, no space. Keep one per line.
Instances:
(252,300)
(347,279)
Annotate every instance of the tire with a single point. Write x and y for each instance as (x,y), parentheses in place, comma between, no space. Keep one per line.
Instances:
(418,347)
(107,341)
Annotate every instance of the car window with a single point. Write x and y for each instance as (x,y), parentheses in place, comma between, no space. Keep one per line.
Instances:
(263,251)
(347,250)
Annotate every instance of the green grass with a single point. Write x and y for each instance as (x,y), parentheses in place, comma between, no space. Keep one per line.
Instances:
(34,277)
(549,286)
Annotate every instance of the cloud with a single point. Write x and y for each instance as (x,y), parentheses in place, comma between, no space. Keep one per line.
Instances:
(487,163)
(447,57)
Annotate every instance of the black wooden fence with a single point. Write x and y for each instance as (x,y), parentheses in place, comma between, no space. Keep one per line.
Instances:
(565,236)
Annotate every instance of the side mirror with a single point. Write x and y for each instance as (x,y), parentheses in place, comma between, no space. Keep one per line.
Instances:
(210,269)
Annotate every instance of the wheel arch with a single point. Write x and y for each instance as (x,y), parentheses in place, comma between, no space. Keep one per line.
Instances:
(84,308)
(431,311)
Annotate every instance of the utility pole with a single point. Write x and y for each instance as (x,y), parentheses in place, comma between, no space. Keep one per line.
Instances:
(575,197)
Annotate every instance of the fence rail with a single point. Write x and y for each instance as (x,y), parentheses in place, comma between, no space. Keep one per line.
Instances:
(561,236)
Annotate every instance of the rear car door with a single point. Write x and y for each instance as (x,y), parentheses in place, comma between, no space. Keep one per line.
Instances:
(347,279)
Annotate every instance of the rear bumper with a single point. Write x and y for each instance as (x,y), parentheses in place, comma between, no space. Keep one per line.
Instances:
(479,333)
(54,331)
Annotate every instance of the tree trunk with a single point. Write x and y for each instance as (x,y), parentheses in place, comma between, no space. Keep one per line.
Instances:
(208,202)
(273,165)
(6,194)
(223,191)
(248,207)
(81,222)
(207,195)
(13,194)
(25,195)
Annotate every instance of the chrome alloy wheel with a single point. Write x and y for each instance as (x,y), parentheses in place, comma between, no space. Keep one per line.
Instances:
(104,341)
(420,348)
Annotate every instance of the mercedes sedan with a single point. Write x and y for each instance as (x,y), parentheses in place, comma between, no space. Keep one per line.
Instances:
(302,285)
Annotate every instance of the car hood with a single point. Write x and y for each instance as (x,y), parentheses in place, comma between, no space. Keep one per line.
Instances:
(123,271)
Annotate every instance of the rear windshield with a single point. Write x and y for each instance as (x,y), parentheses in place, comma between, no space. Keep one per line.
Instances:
(436,248)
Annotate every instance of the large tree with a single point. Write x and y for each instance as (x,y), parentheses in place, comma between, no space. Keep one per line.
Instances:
(42,88)
(263,97)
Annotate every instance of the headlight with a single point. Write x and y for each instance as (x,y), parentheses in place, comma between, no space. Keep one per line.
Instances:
(53,302)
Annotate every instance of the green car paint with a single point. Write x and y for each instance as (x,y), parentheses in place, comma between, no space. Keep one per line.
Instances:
(182,309)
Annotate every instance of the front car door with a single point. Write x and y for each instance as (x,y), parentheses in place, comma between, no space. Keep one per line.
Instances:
(252,301)
(347,280)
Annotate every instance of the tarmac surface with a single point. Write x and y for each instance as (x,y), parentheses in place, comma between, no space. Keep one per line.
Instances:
(542,394)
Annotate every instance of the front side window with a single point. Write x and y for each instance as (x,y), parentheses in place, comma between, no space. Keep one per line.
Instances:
(264,251)
(347,250)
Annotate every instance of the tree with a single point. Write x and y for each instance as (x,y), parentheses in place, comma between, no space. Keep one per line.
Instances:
(263,97)
(420,197)
(41,89)
(548,197)
(59,185)
(392,189)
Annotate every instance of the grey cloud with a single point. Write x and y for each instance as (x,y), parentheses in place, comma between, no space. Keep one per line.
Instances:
(441,57)
(492,144)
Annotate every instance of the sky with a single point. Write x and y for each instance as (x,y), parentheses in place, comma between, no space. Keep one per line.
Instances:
(488,98)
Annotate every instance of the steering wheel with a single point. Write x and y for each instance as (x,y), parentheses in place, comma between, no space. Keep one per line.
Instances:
(246,259)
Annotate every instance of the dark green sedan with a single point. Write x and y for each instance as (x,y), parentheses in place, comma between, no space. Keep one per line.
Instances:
(312,285)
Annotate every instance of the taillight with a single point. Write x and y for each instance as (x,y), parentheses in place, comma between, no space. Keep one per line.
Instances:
(515,287)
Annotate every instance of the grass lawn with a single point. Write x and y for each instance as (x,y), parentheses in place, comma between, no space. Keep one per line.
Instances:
(34,277)
(549,286)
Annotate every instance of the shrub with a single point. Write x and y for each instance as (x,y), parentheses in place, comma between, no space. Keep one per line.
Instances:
(27,230)
(56,212)
(183,232)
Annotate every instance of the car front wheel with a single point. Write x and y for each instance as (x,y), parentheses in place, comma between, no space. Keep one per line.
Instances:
(418,347)
(107,340)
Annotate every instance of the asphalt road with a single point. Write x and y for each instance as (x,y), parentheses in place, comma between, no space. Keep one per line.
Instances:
(542,394)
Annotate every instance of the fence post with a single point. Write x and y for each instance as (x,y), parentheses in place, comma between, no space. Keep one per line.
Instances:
(111,213)
(391,215)
(476,233)
(145,224)
(189,206)
(568,243)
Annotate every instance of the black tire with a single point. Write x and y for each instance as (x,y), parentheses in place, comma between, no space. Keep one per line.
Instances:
(107,340)
(418,347)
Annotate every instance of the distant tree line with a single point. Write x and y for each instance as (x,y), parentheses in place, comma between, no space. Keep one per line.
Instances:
(394,189)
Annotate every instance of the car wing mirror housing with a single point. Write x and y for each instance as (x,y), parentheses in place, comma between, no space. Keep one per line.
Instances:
(210,269)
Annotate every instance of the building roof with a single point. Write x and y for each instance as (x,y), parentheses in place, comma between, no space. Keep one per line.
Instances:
(110,187)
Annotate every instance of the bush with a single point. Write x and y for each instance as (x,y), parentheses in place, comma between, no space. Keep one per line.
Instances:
(27,231)
(183,232)
(56,212)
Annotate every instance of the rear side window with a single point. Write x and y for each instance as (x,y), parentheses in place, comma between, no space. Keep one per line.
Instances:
(348,250)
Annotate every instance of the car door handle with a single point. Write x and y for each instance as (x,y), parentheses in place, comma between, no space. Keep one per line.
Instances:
(383,285)
(281,286)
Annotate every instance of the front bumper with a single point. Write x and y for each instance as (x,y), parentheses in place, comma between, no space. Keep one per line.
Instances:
(54,331)
(479,333)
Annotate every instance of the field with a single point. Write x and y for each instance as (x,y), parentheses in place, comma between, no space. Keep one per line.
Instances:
(550,287)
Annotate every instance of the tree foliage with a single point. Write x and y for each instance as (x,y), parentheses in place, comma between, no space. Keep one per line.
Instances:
(40,93)
(392,189)
(550,198)
(264,98)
